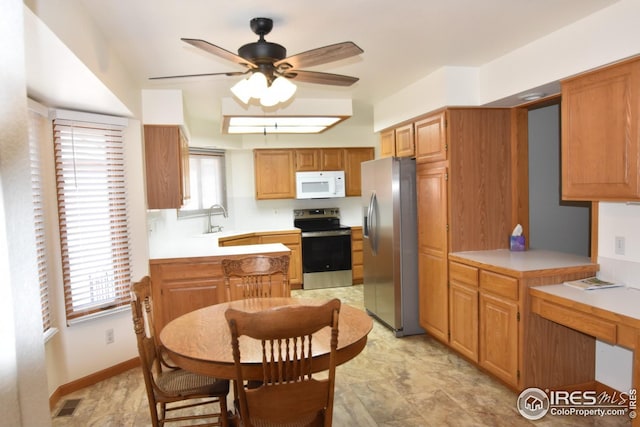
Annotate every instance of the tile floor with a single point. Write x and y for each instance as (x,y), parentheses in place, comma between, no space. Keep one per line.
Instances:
(410,382)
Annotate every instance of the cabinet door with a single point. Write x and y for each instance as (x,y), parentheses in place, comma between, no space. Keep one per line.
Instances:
(404,141)
(291,241)
(387,143)
(499,337)
(463,309)
(166,166)
(274,174)
(181,287)
(600,117)
(353,157)
(431,188)
(463,319)
(307,159)
(431,138)
(332,159)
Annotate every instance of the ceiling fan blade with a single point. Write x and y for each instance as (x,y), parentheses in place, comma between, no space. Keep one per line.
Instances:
(321,55)
(231,73)
(320,78)
(218,51)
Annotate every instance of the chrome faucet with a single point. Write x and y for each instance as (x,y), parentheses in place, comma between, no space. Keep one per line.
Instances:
(215,228)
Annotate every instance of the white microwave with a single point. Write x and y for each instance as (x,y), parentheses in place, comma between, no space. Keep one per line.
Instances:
(319,185)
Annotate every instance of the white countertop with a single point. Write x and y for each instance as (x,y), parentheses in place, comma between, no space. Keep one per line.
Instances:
(530,260)
(205,247)
(623,300)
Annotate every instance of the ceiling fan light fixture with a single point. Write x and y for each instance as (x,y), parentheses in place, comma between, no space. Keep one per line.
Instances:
(284,88)
(242,91)
(257,85)
(281,90)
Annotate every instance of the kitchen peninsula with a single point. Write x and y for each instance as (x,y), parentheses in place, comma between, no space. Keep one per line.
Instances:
(187,275)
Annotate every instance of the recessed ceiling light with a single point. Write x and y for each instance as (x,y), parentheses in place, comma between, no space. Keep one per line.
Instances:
(532,96)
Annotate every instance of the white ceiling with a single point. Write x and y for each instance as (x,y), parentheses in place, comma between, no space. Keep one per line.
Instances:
(403,41)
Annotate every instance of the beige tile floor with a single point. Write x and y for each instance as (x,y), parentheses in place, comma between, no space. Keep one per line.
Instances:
(395,382)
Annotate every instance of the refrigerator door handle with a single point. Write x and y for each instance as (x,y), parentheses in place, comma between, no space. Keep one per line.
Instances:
(373,223)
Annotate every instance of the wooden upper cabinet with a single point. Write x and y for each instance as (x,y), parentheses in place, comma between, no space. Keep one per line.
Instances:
(307,159)
(353,157)
(431,138)
(388,143)
(319,159)
(600,137)
(274,174)
(166,152)
(397,142)
(404,141)
(332,159)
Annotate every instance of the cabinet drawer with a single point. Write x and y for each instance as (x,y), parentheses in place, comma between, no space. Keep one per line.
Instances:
(188,270)
(287,239)
(463,274)
(499,284)
(587,323)
(356,245)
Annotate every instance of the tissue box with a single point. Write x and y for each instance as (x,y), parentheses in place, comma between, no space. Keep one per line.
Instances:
(517,243)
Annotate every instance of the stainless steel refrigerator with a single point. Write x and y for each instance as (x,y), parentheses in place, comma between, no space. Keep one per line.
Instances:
(390,243)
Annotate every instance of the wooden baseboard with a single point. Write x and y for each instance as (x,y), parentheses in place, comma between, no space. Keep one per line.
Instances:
(92,379)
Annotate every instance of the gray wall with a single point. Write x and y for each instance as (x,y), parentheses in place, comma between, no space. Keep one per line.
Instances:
(554,224)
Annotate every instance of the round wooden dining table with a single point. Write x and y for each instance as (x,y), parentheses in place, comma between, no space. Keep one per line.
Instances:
(200,341)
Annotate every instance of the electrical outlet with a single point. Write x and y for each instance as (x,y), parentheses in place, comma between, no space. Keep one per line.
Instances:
(620,245)
(109,336)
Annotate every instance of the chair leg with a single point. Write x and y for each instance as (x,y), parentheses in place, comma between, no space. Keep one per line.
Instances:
(224,415)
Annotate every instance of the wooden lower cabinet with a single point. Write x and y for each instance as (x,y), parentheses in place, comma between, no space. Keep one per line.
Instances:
(463,310)
(181,285)
(489,321)
(290,239)
(293,242)
(356,255)
(499,337)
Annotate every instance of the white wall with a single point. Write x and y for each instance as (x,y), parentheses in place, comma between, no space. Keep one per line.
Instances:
(23,395)
(603,37)
(614,364)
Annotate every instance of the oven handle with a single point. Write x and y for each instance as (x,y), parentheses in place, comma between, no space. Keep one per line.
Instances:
(372,223)
(325,233)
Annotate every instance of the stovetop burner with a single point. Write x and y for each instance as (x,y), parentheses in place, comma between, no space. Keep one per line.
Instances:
(318,219)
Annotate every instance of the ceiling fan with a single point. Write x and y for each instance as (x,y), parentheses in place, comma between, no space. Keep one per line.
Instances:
(271,59)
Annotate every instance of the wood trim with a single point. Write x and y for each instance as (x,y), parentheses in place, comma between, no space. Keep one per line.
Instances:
(520,169)
(91,379)
(595,217)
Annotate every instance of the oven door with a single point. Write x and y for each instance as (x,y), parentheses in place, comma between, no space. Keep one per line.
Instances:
(326,258)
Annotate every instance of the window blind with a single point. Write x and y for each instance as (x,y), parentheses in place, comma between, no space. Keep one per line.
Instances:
(93,216)
(38,131)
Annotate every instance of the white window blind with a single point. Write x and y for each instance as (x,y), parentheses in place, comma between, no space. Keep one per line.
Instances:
(93,216)
(39,131)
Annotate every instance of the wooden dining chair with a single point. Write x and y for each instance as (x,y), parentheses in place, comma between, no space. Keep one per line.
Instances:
(257,276)
(288,394)
(170,388)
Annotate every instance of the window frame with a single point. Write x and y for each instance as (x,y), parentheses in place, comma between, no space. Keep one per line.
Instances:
(197,192)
